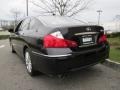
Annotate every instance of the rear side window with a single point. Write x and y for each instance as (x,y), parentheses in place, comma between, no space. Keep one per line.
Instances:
(35,24)
(25,24)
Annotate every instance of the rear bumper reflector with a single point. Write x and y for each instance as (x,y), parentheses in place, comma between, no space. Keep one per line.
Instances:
(51,55)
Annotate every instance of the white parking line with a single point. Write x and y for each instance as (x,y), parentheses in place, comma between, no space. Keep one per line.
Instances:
(2,46)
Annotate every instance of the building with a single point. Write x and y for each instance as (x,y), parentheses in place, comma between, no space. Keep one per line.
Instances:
(109,27)
(5,23)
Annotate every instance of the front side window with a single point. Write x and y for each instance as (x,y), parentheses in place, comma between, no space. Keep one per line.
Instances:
(18,26)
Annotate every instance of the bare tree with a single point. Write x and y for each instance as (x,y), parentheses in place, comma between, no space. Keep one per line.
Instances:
(61,7)
(16,15)
(117,18)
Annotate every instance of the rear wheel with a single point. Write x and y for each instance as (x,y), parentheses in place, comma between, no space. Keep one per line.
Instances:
(29,64)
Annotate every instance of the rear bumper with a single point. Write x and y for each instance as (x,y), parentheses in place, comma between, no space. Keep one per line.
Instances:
(60,64)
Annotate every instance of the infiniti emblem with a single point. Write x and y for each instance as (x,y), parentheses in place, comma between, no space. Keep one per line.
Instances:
(88,29)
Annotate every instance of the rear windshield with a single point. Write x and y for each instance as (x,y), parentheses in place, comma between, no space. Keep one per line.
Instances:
(59,21)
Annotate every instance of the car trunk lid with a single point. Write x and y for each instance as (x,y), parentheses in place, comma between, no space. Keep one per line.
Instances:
(85,36)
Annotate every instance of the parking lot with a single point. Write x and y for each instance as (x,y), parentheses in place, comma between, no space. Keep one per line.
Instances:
(13,76)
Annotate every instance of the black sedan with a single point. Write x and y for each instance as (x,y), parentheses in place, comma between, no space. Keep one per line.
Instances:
(55,45)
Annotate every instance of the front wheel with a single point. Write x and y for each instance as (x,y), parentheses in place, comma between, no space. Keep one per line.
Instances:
(13,50)
(29,64)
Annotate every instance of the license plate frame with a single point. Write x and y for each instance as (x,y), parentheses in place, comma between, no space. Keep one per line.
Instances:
(88,40)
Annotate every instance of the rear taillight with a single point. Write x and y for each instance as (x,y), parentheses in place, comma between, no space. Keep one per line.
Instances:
(56,40)
(103,38)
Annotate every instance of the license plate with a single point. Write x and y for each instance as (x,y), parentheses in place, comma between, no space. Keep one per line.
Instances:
(87,40)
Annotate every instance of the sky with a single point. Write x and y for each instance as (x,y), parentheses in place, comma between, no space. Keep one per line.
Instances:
(110,9)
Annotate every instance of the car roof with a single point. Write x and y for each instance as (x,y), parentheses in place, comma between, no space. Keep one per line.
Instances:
(59,21)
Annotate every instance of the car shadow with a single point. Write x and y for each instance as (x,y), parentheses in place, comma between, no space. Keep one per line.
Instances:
(71,78)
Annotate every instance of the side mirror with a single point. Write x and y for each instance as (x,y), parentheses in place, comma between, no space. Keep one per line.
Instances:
(11,30)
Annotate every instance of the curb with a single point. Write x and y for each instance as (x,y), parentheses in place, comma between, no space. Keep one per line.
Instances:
(112,64)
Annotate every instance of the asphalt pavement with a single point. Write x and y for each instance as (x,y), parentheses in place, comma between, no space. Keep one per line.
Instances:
(13,76)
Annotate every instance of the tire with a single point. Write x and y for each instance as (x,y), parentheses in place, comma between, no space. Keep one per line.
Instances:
(29,65)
